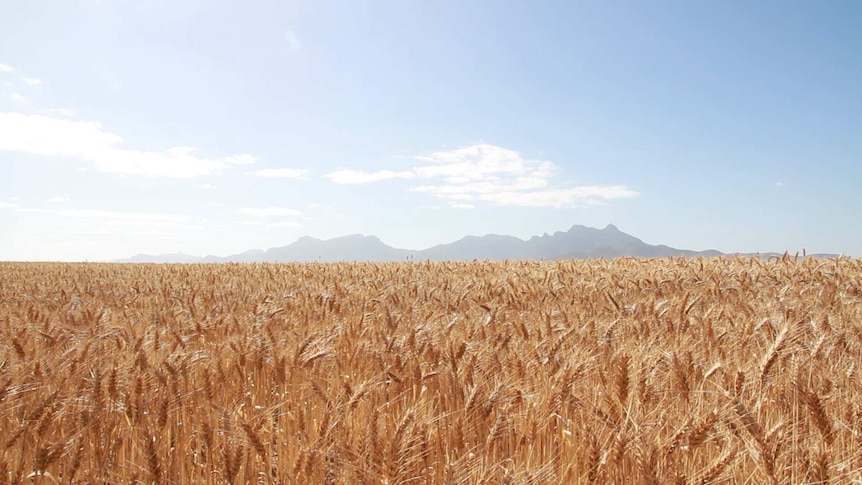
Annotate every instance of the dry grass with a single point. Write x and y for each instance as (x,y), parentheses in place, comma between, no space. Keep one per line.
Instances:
(624,371)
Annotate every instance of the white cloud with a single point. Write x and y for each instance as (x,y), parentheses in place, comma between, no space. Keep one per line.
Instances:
(58,200)
(292,40)
(100,232)
(779,184)
(492,174)
(206,186)
(129,218)
(6,68)
(86,140)
(244,159)
(32,81)
(346,177)
(18,98)
(215,204)
(482,163)
(461,205)
(284,224)
(61,111)
(268,212)
(588,195)
(292,173)
(7,205)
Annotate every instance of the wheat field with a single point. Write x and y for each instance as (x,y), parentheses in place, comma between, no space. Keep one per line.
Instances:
(689,371)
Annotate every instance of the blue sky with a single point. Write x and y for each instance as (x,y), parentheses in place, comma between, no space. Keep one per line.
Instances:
(215,127)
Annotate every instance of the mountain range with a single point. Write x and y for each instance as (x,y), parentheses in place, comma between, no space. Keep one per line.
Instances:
(579,242)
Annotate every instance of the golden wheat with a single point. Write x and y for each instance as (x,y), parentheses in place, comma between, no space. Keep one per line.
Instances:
(725,370)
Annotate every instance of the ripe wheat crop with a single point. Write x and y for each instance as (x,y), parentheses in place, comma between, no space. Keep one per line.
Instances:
(689,371)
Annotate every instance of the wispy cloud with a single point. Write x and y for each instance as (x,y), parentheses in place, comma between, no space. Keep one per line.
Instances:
(492,174)
(779,184)
(269,212)
(347,177)
(8,205)
(58,200)
(129,218)
(272,217)
(18,98)
(20,75)
(587,195)
(291,173)
(87,140)
(263,223)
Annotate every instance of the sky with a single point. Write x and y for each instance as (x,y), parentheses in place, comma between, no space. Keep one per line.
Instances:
(210,127)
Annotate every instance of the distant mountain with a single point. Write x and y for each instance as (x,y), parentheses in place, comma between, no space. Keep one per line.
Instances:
(587,242)
(579,242)
(161,258)
(468,248)
(356,247)
(250,256)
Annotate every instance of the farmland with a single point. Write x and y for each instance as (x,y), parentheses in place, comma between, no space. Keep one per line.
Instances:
(693,371)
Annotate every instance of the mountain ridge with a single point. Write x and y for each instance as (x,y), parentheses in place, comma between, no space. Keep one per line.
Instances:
(579,242)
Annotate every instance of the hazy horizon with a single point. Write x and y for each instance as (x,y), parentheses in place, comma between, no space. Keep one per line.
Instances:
(188,127)
(488,249)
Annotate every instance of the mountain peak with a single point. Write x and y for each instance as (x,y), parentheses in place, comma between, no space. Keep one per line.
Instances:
(611,227)
(307,239)
(356,238)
